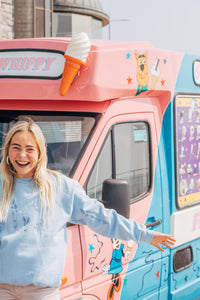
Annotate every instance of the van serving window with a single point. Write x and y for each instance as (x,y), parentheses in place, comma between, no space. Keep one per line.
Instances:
(66,134)
(187,142)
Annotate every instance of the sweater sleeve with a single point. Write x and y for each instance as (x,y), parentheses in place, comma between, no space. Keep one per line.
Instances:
(107,222)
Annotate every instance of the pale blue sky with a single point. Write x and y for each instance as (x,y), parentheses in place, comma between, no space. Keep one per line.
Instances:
(169,24)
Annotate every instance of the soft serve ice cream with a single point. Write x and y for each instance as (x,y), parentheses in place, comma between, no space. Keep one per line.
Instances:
(75,56)
(79,47)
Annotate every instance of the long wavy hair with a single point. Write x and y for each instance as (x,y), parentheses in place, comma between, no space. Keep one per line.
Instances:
(41,175)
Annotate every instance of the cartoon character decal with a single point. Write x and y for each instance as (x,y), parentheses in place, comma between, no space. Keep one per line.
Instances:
(115,267)
(142,73)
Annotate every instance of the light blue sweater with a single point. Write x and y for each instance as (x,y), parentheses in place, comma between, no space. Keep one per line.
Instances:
(31,253)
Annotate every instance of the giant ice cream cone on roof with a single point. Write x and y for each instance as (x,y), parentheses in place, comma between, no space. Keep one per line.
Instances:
(71,68)
(75,56)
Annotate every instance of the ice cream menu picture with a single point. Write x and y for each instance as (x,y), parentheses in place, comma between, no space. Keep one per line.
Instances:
(187,120)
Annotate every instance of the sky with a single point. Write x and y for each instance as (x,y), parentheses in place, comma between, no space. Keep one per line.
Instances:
(169,24)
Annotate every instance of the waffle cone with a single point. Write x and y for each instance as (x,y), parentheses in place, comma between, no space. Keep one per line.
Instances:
(154,81)
(71,68)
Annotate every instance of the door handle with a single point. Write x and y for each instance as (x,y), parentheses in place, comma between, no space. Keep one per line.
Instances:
(154,223)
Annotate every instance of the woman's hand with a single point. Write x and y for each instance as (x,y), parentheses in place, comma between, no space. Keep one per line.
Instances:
(163,239)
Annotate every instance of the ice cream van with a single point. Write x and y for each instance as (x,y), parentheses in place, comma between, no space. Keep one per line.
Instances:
(123,119)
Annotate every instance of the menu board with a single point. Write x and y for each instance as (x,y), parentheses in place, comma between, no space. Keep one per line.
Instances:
(187,118)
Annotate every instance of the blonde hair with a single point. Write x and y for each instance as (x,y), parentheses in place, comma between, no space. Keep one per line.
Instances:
(41,175)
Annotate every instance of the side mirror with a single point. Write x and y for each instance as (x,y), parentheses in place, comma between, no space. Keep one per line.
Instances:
(116,195)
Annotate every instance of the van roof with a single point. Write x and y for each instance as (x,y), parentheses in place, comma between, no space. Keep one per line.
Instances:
(113,69)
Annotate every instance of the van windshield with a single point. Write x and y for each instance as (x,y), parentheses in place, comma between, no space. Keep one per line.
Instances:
(66,134)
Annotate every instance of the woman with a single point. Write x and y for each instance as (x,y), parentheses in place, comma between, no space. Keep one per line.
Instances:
(35,205)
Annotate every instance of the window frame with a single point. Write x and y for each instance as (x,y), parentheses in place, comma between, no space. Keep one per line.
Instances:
(113,158)
(141,196)
(177,270)
(45,9)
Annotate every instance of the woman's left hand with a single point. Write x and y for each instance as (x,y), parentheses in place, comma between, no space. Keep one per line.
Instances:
(162,239)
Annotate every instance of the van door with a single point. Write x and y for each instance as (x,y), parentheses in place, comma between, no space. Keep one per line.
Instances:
(114,269)
(70,288)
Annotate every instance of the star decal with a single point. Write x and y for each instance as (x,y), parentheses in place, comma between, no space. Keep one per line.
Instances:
(158,274)
(91,248)
(125,281)
(129,79)
(128,55)
(162,82)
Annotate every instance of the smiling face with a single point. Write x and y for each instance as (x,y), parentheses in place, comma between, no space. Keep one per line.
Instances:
(23,153)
